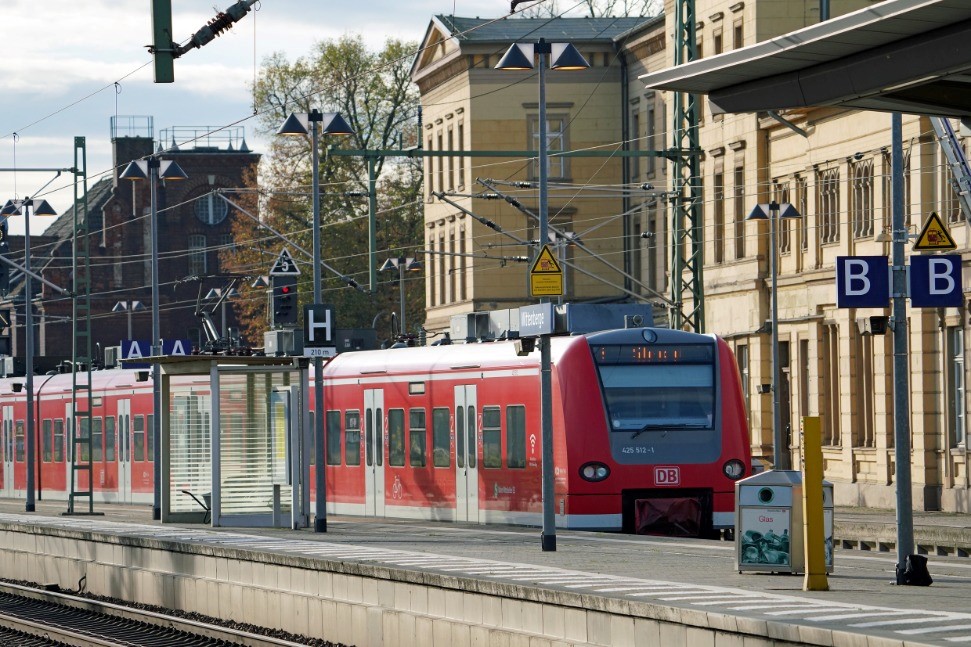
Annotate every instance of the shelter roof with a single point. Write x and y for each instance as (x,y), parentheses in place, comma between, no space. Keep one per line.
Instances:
(911,56)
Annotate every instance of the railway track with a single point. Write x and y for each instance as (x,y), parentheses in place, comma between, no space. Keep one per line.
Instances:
(33,616)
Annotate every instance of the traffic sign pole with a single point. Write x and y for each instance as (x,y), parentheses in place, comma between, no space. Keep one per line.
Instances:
(901,408)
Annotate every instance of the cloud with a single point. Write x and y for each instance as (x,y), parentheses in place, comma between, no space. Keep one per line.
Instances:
(60,64)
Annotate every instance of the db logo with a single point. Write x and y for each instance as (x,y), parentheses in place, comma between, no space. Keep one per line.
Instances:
(667,476)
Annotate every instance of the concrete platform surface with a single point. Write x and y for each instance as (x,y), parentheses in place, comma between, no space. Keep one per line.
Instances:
(685,576)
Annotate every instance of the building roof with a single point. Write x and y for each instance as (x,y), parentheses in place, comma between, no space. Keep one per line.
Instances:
(63,226)
(574,30)
(911,56)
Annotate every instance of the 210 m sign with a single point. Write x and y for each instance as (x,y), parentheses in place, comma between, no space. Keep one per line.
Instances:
(319,351)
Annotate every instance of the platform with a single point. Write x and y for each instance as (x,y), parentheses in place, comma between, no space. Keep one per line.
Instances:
(379,582)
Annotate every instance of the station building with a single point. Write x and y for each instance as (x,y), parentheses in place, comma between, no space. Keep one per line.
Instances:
(194,225)
(833,166)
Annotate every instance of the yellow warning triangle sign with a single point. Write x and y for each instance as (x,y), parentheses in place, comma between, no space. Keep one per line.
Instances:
(934,236)
(545,263)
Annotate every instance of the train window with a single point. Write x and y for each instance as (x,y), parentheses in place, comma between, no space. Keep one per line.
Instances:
(643,398)
(369,437)
(460,436)
(396,437)
(470,443)
(516,436)
(352,436)
(416,421)
(333,437)
(440,438)
(312,418)
(379,436)
(491,437)
(58,441)
(139,438)
(150,437)
(97,440)
(19,439)
(47,440)
(110,438)
(84,427)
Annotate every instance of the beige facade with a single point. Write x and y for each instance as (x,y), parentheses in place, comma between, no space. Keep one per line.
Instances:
(836,172)
(468,105)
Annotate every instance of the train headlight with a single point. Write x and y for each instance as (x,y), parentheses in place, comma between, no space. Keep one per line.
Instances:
(594,472)
(734,469)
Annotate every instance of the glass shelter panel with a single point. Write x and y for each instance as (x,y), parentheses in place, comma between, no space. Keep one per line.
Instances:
(189,443)
(254,416)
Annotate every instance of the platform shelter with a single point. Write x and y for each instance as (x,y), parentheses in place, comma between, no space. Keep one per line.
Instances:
(236,440)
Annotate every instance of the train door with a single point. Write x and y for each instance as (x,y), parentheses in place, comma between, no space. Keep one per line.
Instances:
(68,432)
(466,455)
(374,452)
(8,451)
(124,451)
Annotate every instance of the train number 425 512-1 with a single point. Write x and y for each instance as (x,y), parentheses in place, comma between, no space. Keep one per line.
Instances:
(636,449)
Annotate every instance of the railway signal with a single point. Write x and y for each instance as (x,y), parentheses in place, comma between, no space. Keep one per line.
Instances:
(285,301)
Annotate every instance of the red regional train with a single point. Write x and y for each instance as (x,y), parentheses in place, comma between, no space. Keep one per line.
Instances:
(649,433)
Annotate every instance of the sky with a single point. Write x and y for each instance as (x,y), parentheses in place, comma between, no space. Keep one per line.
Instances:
(62,60)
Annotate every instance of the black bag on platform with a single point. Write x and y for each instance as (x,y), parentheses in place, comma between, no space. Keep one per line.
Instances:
(916,573)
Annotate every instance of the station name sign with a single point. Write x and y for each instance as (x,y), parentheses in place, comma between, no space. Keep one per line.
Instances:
(536,320)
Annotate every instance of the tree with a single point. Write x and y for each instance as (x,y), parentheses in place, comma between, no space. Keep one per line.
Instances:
(374,93)
(596,8)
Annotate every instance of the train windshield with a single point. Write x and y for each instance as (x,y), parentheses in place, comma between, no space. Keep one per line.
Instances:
(657,388)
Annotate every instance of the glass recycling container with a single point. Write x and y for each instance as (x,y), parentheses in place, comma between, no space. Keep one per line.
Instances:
(769,523)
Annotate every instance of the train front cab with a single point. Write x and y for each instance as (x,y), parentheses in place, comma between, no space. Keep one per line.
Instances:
(671,440)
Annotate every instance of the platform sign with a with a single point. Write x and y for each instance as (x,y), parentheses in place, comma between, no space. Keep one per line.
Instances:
(934,236)
(135,349)
(546,275)
(284,265)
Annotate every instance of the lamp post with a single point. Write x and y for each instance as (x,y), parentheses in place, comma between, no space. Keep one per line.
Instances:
(402,264)
(152,169)
(28,207)
(129,307)
(332,123)
(773,211)
(564,56)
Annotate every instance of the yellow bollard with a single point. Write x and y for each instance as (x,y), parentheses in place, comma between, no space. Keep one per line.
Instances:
(812,506)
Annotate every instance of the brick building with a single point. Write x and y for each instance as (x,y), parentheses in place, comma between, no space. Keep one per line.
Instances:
(193,225)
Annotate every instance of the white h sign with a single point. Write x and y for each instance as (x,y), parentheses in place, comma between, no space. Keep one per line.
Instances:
(318,328)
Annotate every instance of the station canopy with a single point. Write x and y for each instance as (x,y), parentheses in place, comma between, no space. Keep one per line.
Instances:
(910,56)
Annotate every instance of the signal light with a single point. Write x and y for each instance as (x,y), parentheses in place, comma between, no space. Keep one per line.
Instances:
(284,301)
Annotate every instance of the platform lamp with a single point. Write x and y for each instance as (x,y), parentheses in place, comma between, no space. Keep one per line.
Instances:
(402,264)
(772,212)
(28,208)
(331,123)
(563,56)
(152,169)
(129,307)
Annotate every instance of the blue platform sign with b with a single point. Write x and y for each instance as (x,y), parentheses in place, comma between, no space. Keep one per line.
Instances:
(862,282)
(935,281)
